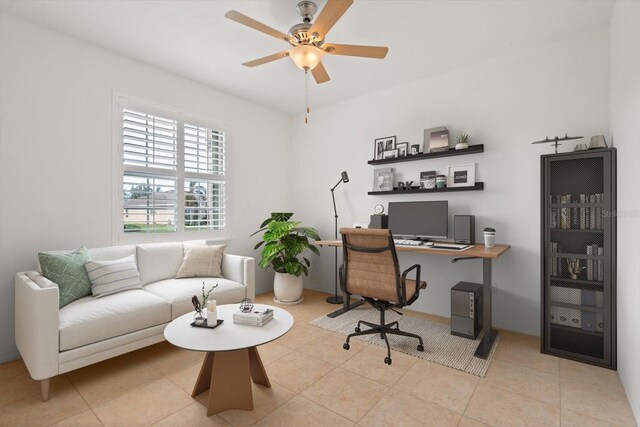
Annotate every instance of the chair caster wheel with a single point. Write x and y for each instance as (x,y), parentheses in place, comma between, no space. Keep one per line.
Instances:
(358,329)
(387,360)
(346,346)
(420,347)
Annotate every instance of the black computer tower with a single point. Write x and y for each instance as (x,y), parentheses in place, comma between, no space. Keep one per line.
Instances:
(466,309)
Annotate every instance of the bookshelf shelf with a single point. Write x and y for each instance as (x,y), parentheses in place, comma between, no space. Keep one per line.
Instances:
(575,230)
(577,306)
(478,187)
(560,280)
(473,149)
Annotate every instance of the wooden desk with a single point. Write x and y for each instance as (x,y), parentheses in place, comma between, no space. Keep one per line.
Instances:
(475,252)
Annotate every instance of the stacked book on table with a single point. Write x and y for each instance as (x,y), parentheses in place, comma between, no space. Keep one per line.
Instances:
(253,318)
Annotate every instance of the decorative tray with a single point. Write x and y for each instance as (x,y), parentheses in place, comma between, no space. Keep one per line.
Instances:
(205,325)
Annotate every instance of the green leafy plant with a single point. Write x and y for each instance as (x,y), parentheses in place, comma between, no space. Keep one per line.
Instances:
(284,241)
(463,138)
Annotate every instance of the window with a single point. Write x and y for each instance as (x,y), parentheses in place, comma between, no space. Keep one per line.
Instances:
(173,174)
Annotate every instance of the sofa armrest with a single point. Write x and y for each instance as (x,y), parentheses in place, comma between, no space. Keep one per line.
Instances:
(36,322)
(240,269)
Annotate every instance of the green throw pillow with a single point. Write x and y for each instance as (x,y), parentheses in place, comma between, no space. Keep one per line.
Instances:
(68,272)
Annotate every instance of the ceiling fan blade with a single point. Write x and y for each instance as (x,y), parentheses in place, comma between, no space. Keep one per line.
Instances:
(329,15)
(378,52)
(252,23)
(320,73)
(266,59)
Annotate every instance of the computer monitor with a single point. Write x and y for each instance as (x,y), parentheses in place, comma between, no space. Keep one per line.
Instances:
(419,219)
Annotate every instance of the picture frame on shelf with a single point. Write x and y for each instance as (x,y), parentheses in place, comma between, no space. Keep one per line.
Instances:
(415,149)
(402,148)
(390,154)
(428,179)
(383,144)
(383,179)
(461,175)
(427,136)
(439,141)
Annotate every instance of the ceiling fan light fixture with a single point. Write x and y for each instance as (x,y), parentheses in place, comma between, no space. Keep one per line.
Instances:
(306,56)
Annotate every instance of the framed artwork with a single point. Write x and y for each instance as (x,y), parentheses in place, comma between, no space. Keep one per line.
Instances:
(415,149)
(390,154)
(383,144)
(402,147)
(383,179)
(439,141)
(428,179)
(427,136)
(461,175)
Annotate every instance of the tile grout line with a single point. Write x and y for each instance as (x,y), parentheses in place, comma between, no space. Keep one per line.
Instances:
(84,400)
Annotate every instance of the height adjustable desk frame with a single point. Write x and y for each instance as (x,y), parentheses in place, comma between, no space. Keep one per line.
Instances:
(474,252)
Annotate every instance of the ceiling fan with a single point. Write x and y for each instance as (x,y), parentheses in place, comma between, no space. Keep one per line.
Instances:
(308,39)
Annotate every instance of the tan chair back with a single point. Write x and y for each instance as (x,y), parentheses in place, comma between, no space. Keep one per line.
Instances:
(370,274)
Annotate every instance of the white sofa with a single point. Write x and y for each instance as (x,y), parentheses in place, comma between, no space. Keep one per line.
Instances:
(53,341)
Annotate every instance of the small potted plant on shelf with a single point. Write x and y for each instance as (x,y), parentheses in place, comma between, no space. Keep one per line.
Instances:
(462,141)
(284,242)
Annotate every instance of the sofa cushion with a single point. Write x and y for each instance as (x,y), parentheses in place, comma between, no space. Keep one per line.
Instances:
(108,253)
(67,271)
(90,319)
(158,261)
(201,261)
(178,292)
(110,277)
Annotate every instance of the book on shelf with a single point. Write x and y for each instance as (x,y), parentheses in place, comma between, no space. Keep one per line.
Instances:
(600,274)
(589,263)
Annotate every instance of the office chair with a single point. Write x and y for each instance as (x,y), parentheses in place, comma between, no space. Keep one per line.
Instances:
(371,270)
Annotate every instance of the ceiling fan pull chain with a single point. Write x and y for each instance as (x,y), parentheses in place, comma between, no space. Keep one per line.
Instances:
(306,92)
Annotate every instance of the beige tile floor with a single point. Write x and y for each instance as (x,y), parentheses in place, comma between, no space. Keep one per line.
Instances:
(316,382)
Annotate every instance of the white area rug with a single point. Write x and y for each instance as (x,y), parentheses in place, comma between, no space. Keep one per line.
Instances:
(439,345)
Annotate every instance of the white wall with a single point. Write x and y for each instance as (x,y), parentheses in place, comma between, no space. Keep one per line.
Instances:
(625,131)
(56,178)
(505,104)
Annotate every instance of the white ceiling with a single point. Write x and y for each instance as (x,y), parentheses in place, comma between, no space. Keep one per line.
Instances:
(193,39)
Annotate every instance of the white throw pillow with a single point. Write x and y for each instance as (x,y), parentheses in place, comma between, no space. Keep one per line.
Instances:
(201,261)
(110,277)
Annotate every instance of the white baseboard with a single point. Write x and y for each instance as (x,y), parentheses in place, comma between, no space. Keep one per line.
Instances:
(9,356)
(633,395)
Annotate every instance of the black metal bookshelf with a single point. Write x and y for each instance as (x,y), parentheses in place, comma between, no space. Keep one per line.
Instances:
(578,256)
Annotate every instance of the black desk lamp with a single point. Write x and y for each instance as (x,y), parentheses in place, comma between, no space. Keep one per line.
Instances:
(335,298)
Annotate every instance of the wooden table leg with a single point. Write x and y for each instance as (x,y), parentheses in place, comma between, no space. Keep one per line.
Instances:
(204,377)
(258,373)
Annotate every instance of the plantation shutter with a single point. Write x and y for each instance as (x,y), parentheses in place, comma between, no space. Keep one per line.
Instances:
(204,175)
(150,159)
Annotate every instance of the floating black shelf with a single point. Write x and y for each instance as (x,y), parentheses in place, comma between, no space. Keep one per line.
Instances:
(477,148)
(576,230)
(478,187)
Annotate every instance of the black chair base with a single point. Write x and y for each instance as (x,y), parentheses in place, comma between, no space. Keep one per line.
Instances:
(383,329)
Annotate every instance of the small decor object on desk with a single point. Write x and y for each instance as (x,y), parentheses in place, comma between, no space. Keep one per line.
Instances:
(573,265)
(253,318)
(462,142)
(461,175)
(402,149)
(489,237)
(383,144)
(441,181)
(580,147)
(246,305)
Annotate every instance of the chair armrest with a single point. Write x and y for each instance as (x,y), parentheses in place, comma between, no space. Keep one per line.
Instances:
(240,269)
(418,269)
(36,323)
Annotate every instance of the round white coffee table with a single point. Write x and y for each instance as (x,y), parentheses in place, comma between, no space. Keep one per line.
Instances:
(232,359)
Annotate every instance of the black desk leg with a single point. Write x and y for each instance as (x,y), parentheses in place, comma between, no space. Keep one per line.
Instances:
(347,305)
(488,335)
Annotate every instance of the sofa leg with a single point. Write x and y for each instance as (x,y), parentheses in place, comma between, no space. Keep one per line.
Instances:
(44,389)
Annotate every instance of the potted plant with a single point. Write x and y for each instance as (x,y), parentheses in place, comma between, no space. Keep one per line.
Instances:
(284,241)
(462,141)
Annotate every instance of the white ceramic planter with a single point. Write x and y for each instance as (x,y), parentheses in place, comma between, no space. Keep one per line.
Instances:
(287,288)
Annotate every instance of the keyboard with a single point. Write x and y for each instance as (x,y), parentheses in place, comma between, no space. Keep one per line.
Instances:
(403,242)
(451,246)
